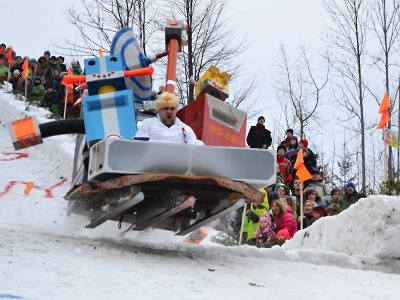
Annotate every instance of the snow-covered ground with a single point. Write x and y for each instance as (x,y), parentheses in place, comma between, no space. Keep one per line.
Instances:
(46,255)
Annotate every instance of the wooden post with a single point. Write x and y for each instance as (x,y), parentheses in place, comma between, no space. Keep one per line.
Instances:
(241,227)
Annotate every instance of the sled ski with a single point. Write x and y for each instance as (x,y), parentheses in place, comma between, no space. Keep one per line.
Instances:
(210,218)
(115,211)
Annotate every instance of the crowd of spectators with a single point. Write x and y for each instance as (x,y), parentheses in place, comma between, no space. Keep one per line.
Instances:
(279,212)
(43,85)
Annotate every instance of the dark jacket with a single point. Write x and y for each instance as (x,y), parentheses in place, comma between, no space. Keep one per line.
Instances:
(259,136)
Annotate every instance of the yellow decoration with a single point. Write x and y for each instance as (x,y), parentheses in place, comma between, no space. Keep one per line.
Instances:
(215,78)
(106,89)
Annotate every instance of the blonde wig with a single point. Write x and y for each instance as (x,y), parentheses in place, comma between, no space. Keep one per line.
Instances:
(166,100)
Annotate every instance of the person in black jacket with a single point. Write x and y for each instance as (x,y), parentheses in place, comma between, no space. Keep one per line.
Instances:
(258,136)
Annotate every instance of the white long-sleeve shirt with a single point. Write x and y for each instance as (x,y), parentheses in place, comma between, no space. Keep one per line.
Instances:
(153,129)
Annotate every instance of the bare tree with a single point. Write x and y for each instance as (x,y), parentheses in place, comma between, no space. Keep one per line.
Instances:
(209,42)
(97,22)
(386,26)
(297,89)
(346,39)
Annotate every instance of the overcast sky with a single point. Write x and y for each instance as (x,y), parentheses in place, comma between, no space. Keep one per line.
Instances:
(267,23)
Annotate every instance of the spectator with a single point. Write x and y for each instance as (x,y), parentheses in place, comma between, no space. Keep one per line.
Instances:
(42,67)
(308,208)
(14,81)
(259,136)
(296,192)
(47,54)
(310,160)
(22,85)
(265,232)
(76,68)
(17,65)
(51,101)
(282,190)
(3,48)
(38,90)
(285,167)
(311,194)
(252,219)
(318,212)
(335,198)
(283,217)
(351,195)
(3,69)
(292,150)
(318,184)
(33,67)
(60,61)
(289,135)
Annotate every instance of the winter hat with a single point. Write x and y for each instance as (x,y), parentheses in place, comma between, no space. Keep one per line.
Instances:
(320,210)
(350,184)
(33,60)
(46,53)
(289,130)
(16,72)
(280,147)
(266,217)
(74,62)
(304,142)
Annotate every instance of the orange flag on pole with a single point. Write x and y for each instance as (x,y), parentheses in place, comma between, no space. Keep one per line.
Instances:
(25,68)
(383,109)
(302,171)
(9,56)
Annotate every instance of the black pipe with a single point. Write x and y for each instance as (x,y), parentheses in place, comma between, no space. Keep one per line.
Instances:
(67,126)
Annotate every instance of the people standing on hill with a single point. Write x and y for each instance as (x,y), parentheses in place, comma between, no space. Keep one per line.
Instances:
(258,136)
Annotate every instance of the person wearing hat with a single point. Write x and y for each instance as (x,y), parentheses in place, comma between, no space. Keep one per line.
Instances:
(33,67)
(318,212)
(60,61)
(310,161)
(16,75)
(289,135)
(258,136)
(351,195)
(76,68)
(38,91)
(167,128)
(265,232)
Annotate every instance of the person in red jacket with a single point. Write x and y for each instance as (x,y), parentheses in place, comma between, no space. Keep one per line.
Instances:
(283,217)
(285,167)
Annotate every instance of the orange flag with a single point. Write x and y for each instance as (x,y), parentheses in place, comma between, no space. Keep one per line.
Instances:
(25,68)
(9,56)
(302,171)
(383,109)
(385,103)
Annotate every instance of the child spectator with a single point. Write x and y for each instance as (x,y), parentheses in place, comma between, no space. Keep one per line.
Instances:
(318,212)
(14,81)
(38,91)
(265,232)
(335,198)
(33,67)
(307,214)
(318,184)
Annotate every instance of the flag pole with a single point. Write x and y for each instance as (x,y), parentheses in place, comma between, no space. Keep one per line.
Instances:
(301,206)
(384,157)
(65,100)
(26,92)
(242,225)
